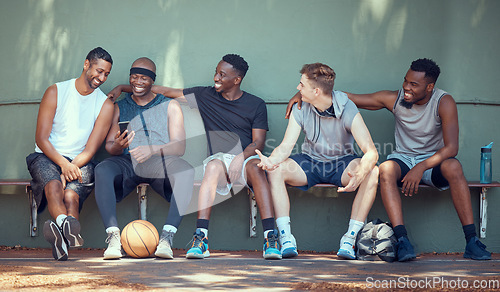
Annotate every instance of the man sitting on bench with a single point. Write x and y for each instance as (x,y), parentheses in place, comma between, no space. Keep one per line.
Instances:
(426,138)
(331,123)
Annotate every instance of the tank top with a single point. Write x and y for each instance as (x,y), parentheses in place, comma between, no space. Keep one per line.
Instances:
(74,119)
(418,130)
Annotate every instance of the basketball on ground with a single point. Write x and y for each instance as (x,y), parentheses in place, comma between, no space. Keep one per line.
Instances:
(139,239)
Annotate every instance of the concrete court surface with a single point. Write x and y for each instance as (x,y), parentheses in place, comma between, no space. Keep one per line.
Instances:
(35,270)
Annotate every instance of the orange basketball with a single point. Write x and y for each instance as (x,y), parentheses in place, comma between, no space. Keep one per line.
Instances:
(139,239)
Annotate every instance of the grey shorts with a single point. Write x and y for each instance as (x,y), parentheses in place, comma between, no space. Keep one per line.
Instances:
(44,170)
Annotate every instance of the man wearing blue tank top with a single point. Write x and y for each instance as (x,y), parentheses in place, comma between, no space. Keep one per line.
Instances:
(148,151)
(331,123)
(426,136)
(73,120)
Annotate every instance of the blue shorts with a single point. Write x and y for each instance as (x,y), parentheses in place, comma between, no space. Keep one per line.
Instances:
(322,172)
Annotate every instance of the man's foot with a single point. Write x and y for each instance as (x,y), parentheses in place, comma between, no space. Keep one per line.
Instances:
(164,248)
(71,231)
(114,250)
(288,246)
(199,248)
(346,250)
(405,250)
(476,250)
(53,235)
(271,248)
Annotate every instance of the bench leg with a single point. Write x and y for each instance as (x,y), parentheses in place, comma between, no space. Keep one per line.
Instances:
(143,199)
(483,215)
(253,214)
(33,212)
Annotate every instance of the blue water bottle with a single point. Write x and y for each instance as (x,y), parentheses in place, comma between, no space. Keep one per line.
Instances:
(485,175)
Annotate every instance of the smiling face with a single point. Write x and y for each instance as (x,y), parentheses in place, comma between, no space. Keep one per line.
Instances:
(96,72)
(307,90)
(226,77)
(417,89)
(141,84)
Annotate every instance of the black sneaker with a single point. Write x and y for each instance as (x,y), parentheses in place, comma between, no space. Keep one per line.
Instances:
(405,250)
(71,231)
(476,250)
(53,235)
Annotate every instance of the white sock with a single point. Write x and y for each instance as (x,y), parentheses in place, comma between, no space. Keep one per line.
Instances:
(354,227)
(170,228)
(60,219)
(204,231)
(112,229)
(266,232)
(283,224)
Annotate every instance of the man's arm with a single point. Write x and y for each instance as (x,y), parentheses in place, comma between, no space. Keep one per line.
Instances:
(363,138)
(285,148)
(116,141)
(98,134)
(177,137)
(449,121)
(44,123)
(166,91)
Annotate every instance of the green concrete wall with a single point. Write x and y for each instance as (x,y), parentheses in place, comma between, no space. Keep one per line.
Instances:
(370,44)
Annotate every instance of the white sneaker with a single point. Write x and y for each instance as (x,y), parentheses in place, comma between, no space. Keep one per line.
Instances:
(288,246)
(114,250)
(164,249)
(346,249)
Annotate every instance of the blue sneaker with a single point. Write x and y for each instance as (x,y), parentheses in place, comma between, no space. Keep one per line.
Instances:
(346,250)
(199,248)
(271,248)
(405,250)
(288,246)
(476,250)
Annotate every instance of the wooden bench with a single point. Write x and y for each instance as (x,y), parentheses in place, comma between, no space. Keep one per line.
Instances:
(142,206)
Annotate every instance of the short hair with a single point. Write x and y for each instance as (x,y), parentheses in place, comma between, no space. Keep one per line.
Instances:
(428,66)
(321,75)
(237,62)
(99,53)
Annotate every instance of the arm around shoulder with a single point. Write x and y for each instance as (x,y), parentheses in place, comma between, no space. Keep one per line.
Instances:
(374,101)
(177,93)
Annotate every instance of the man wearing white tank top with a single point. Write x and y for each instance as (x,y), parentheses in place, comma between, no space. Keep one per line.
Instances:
(73,120)
(426,136)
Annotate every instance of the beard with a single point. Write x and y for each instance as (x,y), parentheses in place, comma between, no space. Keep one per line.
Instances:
(406,104)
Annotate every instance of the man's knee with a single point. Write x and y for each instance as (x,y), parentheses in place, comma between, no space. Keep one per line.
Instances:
(389,172)
(452,169)
(373,176)
(252,170)
(53,188)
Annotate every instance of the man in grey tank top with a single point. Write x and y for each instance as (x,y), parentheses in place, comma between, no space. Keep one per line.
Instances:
(331,123)
(426,145)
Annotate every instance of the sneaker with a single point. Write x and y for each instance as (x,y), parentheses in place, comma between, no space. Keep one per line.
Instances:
(405,250)
(164,248)
(288,246)
(114,250)
(476,250)
(71,231)
(199,248)
(53,235)
(346,250)
(271,248)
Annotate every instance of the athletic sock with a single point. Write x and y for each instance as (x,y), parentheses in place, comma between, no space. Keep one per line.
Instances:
(170,228)
(469,232)
(283,224)
(400,231)
(112,229)
(354,227)
(60,219)
(202,224)
(267,225)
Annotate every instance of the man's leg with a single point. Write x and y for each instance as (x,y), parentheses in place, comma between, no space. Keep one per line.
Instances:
(451,170)
(361,206)
(390,173)
(289,172)
(215,174)
(256,178)
(51,230)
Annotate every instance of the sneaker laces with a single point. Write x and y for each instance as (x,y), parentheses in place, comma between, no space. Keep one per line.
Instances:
(113,240)
(167,236)
(197,241)
(272,240)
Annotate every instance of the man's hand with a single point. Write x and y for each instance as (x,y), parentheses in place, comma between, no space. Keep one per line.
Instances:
(71,172)
(142,153)
(412,180)
(296,99)
(115,93)
(234,171)
(265,163)
(124,139)
(354,181)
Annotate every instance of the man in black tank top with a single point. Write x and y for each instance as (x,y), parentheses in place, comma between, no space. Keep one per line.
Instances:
(408,167)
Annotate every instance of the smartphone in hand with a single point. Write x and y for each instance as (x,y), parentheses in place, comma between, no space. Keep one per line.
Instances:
(123,126)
